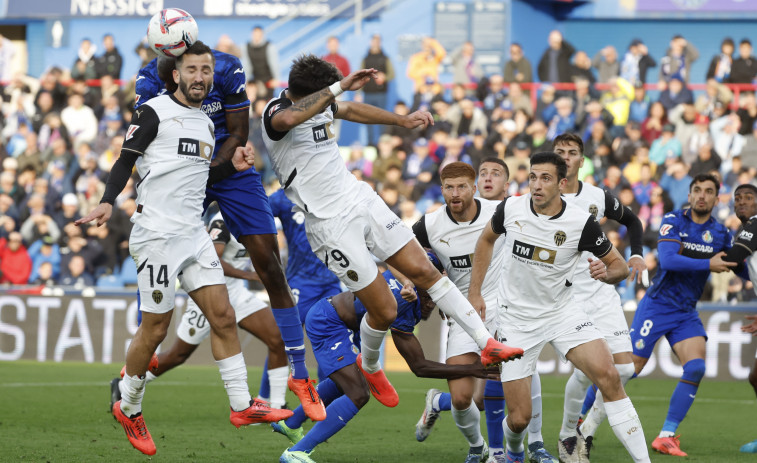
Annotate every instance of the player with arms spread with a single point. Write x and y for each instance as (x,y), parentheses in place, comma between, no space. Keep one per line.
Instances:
(171,141)
(332,326)
(544,239)
(345,219)
(244,203)
(690,246)
(601,301)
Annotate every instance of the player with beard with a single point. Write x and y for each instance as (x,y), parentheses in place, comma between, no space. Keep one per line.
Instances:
(171,142)
(347,223)
(690,246)
(601,301)
(544,238)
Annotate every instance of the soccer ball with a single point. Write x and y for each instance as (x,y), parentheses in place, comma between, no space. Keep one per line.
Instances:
(171,32)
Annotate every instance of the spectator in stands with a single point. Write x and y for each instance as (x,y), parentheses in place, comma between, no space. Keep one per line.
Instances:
(477,149)
(714,92)
(721,64)
(582,67)
(598,148)
(7,53)
(226,45)
(683,117)
(75,274)
(424,65)
(145,52)
(9,187)
(375,91)
(466,69)
(495,93)
(697,139)
(52,129)
(404,136)
(386,157)
(90,250)
(744,68)
(676,93)
(45,249)
(642,190)
(639,107)
(594,112)
(625,146)
(675,181)
(606,63)
(707,160)
(748,152)
(357,161)
(747,112)
(666,148)
(38,224)
(79,119)
(44,275)
(50,82)
(111,97)
(466,118)
(419,163)
(560,119)
(15,263)
(677,60)
(613,181)
(518,68)
(333,56)
(264,63)
(84,66)
(109,241)
(427,94)
(520,158)
(520,100)
(651,128)
(110,62)
(581,97)
(69,211)
(651,215)
(554,65)
(454,151)
(537,130)
(636,62)
(58,152)
(726,139)
(546,101)
(617,101)
(91,95)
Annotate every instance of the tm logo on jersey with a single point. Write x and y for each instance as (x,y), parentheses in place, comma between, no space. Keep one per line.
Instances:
(197,148)
(533,254)
(462,262)
(322,132)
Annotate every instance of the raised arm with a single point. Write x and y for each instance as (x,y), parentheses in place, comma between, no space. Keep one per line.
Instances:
(310,105)
(367,114)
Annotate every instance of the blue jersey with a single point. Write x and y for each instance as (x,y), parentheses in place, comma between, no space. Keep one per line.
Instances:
(408,313)
(302,262)
(681,289)
(227,94)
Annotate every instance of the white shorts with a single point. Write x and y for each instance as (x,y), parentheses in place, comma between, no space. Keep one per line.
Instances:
(567,329)
(194,328)
(606,312)
(459,342)
(162,258)
(345,242)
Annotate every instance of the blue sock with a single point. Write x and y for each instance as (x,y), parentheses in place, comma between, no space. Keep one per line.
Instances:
(683,395)
(288,320)
(327,391)
(265,387)
(591,396)
(494,409)
(445,401)
(338,414)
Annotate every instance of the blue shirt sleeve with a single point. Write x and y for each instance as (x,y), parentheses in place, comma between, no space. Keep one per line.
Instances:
(148,84)
(233,85)
(670,259)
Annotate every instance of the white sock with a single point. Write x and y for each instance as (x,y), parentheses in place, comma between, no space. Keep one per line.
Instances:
(625,424)
(234,376)
(132,392)
(597,414)
(277,379)
(370,346)
(513,440)
(534,427)
(468,421)
(452,302)
(575,393)
(150,377)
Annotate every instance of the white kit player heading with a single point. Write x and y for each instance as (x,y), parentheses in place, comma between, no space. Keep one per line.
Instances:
(172,164)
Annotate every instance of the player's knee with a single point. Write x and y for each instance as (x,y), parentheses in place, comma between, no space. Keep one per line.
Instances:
(422,273)
(518,422)
(694,370)
(385,315)
(224,320)
(625,371)
(581,377)
(461,401)
(360,396)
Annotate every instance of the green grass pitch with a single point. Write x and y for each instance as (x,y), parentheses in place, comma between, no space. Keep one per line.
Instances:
(58,413)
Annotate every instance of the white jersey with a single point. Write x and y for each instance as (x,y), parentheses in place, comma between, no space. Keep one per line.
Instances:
(598,203)
(746,243)
(541,256)
(234,253)
(453,243)
(175,144)
(308,164)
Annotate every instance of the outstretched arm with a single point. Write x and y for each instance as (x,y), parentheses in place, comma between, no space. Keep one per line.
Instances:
(410,348)
(308,106)
(367,114)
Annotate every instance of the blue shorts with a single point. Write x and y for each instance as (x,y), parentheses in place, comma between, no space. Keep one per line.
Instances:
(651,322)
(243,203)
(333,343)
(307,292)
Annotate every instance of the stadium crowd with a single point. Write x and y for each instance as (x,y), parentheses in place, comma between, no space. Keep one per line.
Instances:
(646,134)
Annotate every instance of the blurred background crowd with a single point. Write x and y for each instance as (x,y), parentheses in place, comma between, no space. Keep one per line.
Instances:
(648,127)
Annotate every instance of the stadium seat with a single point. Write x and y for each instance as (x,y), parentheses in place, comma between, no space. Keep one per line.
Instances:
(129,272)
(109,281)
